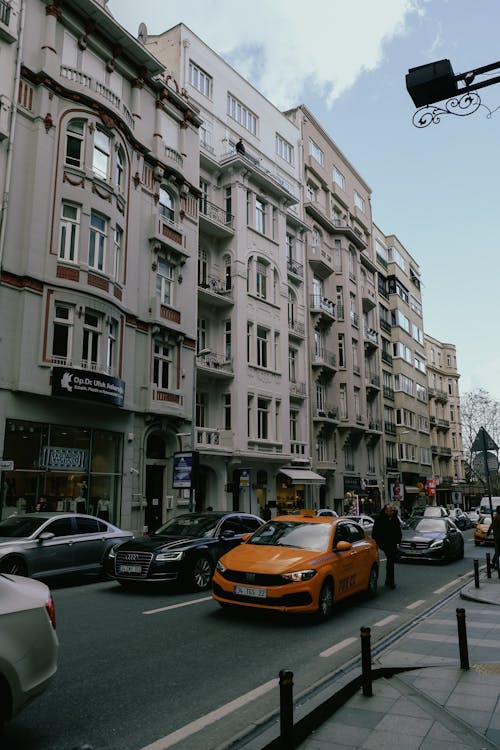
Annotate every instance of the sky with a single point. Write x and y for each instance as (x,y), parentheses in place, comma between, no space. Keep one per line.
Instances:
(436,188)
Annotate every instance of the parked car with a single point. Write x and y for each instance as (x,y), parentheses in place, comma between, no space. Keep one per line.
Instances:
(327,512)
(183,550)
(28,642)
(431,539)
(460,518)
(481,531)
(47,544)
(473,514)
(298,564)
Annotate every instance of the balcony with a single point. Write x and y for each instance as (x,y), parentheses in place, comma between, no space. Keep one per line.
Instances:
(297,390)
(373,382)
(387,358)
(320,260)
(324,359)
(215,365)
(296,329)
(168,233)
(323,308)
(326,414)
(385,325)
(215,292)
(444,452)
(295,268)
(298,450)
(368,297)
(388,393)
(162,401)
(213,439)
(370,338)
(161,313)
(97,88)
(214,220)
(272,182)
(390,428)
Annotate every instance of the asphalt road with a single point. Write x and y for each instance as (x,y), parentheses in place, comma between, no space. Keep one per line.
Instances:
(169,669)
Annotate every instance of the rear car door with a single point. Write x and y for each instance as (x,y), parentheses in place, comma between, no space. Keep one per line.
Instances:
(90,543)
(361,556)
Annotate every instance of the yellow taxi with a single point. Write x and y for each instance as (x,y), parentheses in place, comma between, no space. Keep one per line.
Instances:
(298,563)
(481,530)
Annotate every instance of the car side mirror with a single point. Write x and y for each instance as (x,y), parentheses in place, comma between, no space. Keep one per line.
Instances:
(45,536)
(228,534)
(343,546)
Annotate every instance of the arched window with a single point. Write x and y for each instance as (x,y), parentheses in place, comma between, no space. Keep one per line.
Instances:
(166,205)
(155,447)
(120,169)
(227,271)
(75,139)
(292,308)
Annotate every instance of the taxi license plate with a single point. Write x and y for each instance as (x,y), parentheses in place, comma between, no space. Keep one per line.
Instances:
(129,569)
(250,591)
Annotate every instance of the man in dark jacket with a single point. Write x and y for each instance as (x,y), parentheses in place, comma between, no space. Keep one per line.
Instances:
(387,533)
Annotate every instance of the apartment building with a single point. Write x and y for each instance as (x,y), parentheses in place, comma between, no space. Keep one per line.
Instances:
(345,395)
(404,373)
(99,162)
(251,431)
(445,426)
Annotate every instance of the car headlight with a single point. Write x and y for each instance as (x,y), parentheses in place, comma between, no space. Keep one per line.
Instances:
(299,575)
(438,543)
(112,551)
(220,566)
(170,556)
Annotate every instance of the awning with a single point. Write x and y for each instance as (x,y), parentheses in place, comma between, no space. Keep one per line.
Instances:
(303,476)
(412,490)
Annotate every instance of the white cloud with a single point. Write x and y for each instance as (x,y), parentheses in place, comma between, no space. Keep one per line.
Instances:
(285,48)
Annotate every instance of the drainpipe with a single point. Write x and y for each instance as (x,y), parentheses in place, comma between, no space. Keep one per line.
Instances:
(12,127)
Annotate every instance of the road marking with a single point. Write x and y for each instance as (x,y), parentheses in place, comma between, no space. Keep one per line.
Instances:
(176,606)
(452,583)
(385,621)
(338,647)
(219,713)
(416,604)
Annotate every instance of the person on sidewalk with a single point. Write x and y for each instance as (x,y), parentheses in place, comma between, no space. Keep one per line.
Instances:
(387,533)
(495,530)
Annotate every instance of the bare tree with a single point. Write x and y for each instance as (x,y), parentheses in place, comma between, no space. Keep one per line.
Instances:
(478,409)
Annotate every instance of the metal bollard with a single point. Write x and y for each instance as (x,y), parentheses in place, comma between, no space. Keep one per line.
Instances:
(366,661)
(462,639)
(488,565)
(286,709)
(476,573)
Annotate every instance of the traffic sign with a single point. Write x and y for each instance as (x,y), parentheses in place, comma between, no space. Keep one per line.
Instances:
(483,442)
(482,467)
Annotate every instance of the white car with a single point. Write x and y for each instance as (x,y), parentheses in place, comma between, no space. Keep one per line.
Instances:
(365,521)
(28,642)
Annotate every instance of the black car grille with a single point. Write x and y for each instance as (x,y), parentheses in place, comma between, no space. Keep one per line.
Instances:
(414,545)
(126,561)
(300,599)
(253,579)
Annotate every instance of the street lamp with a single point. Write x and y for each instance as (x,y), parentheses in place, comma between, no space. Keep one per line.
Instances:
(436,82)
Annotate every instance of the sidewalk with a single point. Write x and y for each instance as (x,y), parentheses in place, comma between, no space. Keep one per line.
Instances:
(432,703)
(422,698)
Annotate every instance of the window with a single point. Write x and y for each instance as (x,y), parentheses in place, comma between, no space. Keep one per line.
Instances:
(202,267)
(417,334)
(120,170)
(101,155)
(402,383)
(75,135)
(201,409)
(338,178)
(396,257)
(292,308)
(421,392)
(284,149)
(316,152)
(341,349)
(227,341)
(321,398)
(262,419)
(322,449)
(398,319)
(204,196)
(311,192)
(260,216)
(70,232)
(117,252)
(91,340)
(420,364)
(261,280)
(202,334)
(227,410)
(343,400)
(359,202)
(111,346)
(162,362)
(227,272)
(237,111)
(164,281)
(166,206)
(262,346)
(62,334)
(97,241)
(294,425)
(200,80)
(292,365)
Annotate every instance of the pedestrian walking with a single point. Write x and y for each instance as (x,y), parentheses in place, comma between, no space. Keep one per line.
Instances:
(387,533)
(495,530)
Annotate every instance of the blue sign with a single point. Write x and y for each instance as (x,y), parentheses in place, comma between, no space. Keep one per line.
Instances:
(183,470)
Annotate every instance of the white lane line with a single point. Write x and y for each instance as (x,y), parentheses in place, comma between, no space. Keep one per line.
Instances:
(203,721)
(416,604)
(338,647)
(176,606)
(385,621)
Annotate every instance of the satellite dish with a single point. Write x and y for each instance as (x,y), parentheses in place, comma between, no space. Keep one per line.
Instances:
(142,34)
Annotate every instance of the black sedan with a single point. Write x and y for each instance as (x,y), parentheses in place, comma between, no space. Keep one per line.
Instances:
(431,539)
(46,544)
(184,550)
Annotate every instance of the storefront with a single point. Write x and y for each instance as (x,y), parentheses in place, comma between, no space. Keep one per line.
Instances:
(61,468)
(296,489)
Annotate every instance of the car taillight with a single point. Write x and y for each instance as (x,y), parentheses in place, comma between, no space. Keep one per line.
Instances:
(51,611)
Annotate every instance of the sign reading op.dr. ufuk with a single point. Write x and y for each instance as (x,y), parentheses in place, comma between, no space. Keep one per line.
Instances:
(88,386)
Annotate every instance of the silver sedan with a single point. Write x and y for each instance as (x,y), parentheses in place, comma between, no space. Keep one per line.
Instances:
(41,545)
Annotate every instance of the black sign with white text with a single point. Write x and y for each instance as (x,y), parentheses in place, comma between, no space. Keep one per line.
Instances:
(90,386)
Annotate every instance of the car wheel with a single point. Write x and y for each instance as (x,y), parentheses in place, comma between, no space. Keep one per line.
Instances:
(373,582)
(14,565)
(325,601)
(201,573)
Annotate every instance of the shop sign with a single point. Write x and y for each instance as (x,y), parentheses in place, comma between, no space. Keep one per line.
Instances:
(86,385)
(6,465)
(183,470)
(352,484)
(244,478)
(430,487)
(63,459)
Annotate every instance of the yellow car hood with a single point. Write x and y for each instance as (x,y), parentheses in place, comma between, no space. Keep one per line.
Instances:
(255,558)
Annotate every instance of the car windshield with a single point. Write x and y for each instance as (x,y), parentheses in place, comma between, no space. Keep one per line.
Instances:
(20,526)
(486,520)
(313,536)
(189,526)
(425,525)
